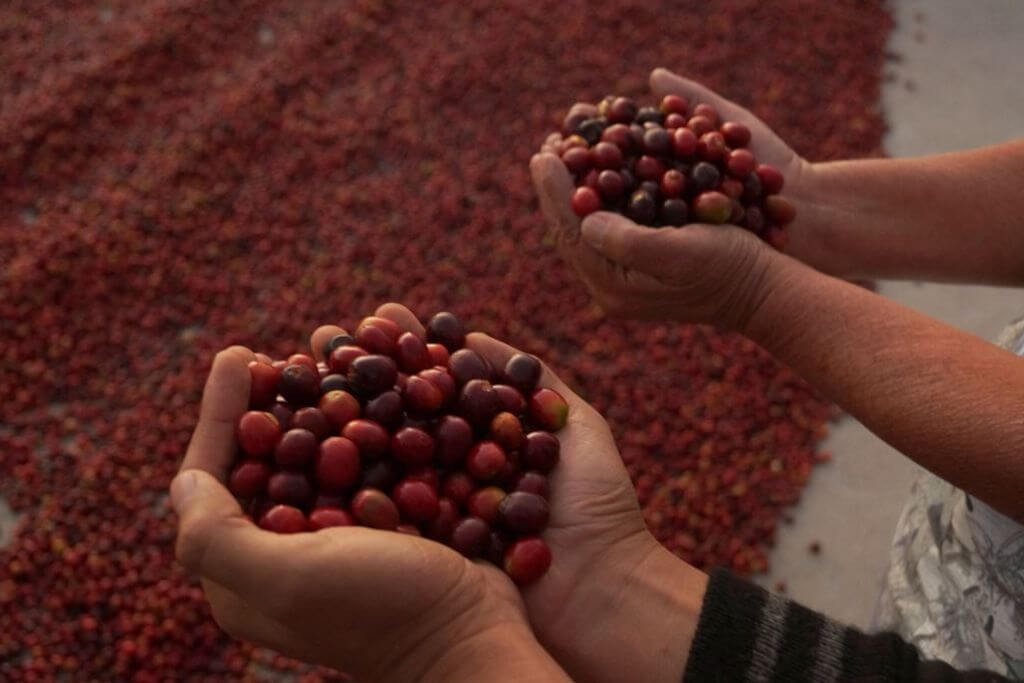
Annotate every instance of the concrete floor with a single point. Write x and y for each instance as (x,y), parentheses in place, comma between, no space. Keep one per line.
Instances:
(954,85)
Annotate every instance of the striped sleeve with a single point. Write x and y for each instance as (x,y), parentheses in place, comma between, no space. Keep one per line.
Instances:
(747,634)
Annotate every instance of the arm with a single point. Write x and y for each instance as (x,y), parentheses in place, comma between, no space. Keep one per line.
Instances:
(948,400)
(952,217)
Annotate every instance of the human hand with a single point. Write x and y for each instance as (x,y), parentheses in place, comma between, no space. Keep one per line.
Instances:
(381,605)
(615,604)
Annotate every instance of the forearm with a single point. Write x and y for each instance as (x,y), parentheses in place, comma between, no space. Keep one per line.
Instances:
(950,217)
(948,400)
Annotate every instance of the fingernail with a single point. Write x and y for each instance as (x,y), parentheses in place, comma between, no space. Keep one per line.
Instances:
(595,228)
(182,489)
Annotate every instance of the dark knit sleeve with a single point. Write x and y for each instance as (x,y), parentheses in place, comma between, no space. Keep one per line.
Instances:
(747,634)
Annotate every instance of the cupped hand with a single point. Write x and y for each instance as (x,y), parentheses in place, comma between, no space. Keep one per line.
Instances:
(380,605)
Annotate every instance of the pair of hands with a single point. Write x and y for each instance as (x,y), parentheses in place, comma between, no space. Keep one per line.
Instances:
(716,274)
(387,606)
(614,605)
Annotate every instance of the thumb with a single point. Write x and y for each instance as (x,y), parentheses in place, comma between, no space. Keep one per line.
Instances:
(632,246)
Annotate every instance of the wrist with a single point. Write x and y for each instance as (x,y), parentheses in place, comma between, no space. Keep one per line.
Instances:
(501,652)
(642,608)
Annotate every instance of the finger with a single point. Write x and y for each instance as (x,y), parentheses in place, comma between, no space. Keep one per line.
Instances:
(218,543)
(551,143)
(636,247)
(403,317)
(664,82)
(320,337)
(225,399)
(264,358)
(554,189)
(498,353)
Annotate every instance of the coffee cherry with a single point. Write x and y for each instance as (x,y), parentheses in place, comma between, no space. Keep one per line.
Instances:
(549,409)
(619,136)
(312,419)
(657,141)
(711,146)
(712,207)
(485,460)
(453,439)
(522,371)
(374,509)
(373,374)
(375,339)
(684,143)
(413,446)
(338,340)
(300,384)
(342,357)
(704,177)
(641,208)
(736,134)
(674,104)
(283,413)
(470,537)
(422,397)
(700,125)
(590,179)
(370,437)
(334,382)
(541,451)
(524,513)
(484,503)
(302,359)
(527,559)
(649,115)
(296,448)
(533,482)
(339,408)
(290,488)
(591,129)
(777,237)
(328,500)
(672,183)
(577,159)
(652,188)
(466,365)
(325,517)
(506,431)
(412,354)
(752,189)
(572,122)
(478,403)
(443,380)
(416,501)
(257,433)
(284,519)
(337,464)
(740,163)
(737,214)
(441,527)
(249,479)
(649,168)
(458,486)
(446,329)
(585,201)
(674,121)
(771,179)
(606,155)
(511,400)
(263,384)
(779,210)
(731,188)
(622,110)
(611,185)
(438,354)
(674,212)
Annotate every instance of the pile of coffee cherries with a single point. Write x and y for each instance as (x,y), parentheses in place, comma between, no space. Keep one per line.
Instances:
(670,165)
(404,434)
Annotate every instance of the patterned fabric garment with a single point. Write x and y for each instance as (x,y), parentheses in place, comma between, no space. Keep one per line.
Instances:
(955,585)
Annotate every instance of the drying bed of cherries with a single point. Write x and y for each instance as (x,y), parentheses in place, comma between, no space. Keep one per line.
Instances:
(671,165)
(404,434)
(176,177)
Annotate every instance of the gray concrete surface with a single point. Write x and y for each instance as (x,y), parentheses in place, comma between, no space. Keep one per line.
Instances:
(954,84)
